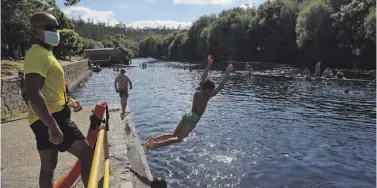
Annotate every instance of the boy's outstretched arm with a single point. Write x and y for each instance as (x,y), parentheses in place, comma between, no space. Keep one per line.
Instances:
(223,81)
(143,179)
(209,64)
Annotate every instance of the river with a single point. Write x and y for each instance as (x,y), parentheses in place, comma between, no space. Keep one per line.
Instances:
(263,131)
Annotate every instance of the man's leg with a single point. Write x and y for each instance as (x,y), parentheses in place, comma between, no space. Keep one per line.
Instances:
(82,150)
(74,142)
(49,159)
(124,103)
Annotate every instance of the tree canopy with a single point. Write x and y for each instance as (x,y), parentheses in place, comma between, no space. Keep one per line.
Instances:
(340,33)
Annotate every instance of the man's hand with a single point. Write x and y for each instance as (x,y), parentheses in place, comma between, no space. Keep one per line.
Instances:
(209,60)
(55,134)
(77,106)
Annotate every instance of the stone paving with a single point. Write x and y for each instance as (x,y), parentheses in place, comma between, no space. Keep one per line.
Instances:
(20,161)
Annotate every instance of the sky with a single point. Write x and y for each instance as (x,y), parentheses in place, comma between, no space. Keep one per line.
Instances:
(149,13)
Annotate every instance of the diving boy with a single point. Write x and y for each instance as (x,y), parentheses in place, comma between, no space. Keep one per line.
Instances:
(203,94)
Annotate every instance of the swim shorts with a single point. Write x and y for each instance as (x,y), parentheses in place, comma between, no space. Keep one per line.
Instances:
(69,129)
(190,119)
(123,92)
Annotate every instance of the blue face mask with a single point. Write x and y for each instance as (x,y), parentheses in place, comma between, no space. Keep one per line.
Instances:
(51,38)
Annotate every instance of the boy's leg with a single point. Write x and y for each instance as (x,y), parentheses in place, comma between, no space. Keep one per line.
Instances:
(166,136)
(160,138)
(184,131)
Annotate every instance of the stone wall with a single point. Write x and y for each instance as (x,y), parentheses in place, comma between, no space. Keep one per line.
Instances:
(74,70)
(11,101)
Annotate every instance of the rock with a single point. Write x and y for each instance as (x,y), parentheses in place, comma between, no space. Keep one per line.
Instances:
(14,98)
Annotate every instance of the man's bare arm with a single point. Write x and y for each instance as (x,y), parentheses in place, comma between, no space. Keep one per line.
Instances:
(115,84)
(129,81)
(221,85)
(33,84)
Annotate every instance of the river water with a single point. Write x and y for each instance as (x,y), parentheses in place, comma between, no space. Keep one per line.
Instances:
(261,131)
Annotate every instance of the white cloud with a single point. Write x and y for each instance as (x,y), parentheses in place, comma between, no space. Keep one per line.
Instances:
(157,23)
(95,15)
(203,2)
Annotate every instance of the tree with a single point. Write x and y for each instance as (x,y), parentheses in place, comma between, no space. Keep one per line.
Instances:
(91,44)
(313,30)
(70,44)
(351,23)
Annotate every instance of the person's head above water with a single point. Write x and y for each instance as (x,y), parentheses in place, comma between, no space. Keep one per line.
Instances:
(207,85)
(122,71)
(45,29)
(158,183)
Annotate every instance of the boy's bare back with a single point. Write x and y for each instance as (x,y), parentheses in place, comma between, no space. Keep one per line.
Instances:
(201,97)
(200,101)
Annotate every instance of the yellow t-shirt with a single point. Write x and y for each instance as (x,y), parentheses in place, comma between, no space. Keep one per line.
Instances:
(41,61)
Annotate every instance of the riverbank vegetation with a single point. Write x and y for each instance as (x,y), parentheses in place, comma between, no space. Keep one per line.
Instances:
(75,35)
(340,33)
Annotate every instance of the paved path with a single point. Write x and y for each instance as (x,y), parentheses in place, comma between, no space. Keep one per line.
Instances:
(19,156)
(20,160)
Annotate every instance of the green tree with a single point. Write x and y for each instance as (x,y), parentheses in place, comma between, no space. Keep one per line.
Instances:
(313,29)
(70,44)
(178,47)
(91,44)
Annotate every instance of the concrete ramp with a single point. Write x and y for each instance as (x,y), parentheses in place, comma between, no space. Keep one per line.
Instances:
(125,147)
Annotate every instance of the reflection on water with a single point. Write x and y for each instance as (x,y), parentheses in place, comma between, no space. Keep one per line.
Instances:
(260,132)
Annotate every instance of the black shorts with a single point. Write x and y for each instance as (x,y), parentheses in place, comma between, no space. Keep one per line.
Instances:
(69,129)
(123,92)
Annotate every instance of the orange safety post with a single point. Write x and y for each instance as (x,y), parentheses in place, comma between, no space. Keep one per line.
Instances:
(95,120)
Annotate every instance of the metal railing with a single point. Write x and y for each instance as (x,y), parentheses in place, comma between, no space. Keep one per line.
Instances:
(101,144)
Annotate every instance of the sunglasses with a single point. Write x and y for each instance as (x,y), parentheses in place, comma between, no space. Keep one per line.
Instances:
(48,27)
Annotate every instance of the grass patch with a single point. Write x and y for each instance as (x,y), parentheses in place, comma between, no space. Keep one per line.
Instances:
(9,68)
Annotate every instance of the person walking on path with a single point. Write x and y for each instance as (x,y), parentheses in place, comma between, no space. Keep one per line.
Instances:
(49,113)
(121,83)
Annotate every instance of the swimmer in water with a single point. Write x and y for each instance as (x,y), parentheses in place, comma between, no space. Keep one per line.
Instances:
(249,68)
(306,72)
(202,95)
(340,75)
(327,73)
(318,69)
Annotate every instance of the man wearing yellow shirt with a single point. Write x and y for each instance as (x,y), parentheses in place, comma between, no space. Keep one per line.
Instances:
(49,114)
